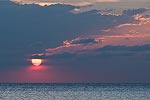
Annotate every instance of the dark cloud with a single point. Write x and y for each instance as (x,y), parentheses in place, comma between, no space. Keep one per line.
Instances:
(84,41)
(106,52)
(126,48)
(134,11)
(27,29)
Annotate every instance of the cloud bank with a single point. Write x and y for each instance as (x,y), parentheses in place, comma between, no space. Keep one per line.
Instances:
(71,2)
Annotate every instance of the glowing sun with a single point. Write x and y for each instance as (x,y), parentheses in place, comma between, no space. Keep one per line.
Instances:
(36,62)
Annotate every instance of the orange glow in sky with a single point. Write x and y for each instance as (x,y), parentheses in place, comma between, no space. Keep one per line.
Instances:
(38,68)
(36,62)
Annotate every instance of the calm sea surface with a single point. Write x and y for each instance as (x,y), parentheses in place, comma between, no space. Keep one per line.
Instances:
(74,91)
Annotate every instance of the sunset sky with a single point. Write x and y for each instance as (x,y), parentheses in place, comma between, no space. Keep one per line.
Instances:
(104,41)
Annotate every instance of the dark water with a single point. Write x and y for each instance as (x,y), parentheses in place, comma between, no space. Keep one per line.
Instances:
(74,91)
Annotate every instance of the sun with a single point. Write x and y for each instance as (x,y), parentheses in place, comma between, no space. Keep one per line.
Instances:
(36,62)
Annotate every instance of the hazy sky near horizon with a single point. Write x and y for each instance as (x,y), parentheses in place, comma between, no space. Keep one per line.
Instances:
(95,45)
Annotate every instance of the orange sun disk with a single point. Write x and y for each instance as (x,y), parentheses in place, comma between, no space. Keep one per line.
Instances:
(36,62)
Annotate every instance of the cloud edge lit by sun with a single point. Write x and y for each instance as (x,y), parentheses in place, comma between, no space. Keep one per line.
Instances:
(51,2)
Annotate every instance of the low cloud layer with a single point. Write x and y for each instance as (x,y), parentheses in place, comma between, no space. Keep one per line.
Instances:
(71,2)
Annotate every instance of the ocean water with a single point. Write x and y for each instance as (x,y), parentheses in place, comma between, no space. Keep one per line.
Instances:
(74,91)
